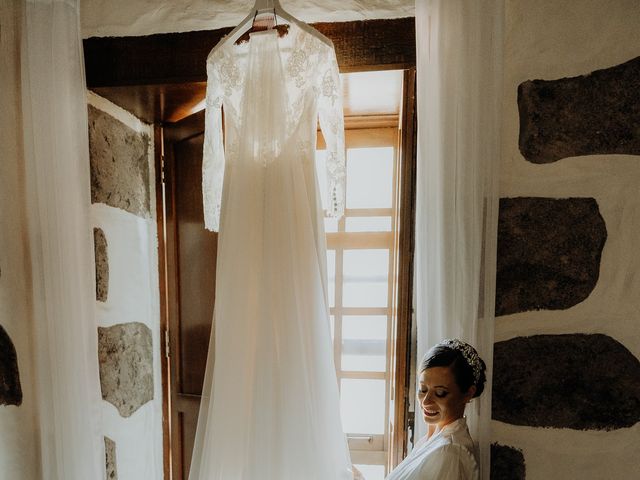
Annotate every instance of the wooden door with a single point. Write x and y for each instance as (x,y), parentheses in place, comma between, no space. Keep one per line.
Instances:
(190,272)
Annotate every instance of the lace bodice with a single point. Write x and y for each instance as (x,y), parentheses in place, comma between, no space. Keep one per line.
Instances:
(311,91)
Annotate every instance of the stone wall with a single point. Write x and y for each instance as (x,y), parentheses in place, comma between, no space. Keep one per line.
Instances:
(127,289)
(566,388)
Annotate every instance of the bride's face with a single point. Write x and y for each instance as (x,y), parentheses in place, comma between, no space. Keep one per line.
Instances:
(439,396)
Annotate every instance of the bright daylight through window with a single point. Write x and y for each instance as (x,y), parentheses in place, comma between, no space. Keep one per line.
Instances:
(361,262)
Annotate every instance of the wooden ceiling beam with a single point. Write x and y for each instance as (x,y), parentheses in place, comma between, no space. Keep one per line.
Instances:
(176,58)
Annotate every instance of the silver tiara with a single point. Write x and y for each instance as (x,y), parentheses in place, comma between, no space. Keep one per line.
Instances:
(468,352)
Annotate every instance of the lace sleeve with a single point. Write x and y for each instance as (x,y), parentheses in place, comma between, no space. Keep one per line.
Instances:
(213,154)
(332,124)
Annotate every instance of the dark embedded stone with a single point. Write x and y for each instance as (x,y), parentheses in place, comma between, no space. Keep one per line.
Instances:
(10,389)
(507,463)
(578,381)
(102,265)
(592,114)
(110,459)
(119,164)
(548,252)
(126,366)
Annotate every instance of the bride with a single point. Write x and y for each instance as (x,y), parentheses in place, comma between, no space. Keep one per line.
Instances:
(450,375)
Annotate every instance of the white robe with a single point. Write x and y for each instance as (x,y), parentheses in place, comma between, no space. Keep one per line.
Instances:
(447,455)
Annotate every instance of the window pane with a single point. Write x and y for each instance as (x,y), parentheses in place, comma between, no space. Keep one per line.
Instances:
(368,224)
(362,406)
(330,224)
(372,93)
(364,327)
(365,278)
(361,362)
(321,172)
(331,277)
(372,472)
(364,343)
(369,177)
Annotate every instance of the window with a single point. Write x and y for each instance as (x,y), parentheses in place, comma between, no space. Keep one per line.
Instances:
(362,262)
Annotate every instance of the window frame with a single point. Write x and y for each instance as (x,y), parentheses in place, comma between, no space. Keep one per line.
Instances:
(366,448)
(391,447)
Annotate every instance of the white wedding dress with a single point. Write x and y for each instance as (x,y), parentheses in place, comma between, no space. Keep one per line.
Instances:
(270,405)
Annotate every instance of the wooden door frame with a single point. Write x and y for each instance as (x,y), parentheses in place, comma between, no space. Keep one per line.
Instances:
(406,248)
(160,78)
(172,135)
(163,287)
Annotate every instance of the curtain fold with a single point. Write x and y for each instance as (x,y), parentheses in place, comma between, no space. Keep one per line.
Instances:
(459,71)
(61,247)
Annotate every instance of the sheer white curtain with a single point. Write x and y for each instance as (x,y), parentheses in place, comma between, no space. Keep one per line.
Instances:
(459,62)
(58,200)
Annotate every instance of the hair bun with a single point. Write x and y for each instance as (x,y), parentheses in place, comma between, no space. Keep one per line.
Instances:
(469,369)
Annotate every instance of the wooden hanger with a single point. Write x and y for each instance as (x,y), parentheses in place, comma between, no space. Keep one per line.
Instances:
(265,6)
(266,21)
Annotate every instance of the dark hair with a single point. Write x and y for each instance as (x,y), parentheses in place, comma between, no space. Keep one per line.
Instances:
(444,356)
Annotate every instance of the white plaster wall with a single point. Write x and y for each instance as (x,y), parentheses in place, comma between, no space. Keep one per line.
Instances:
(133,297)
(547,39)
(104,18)
(18,431)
